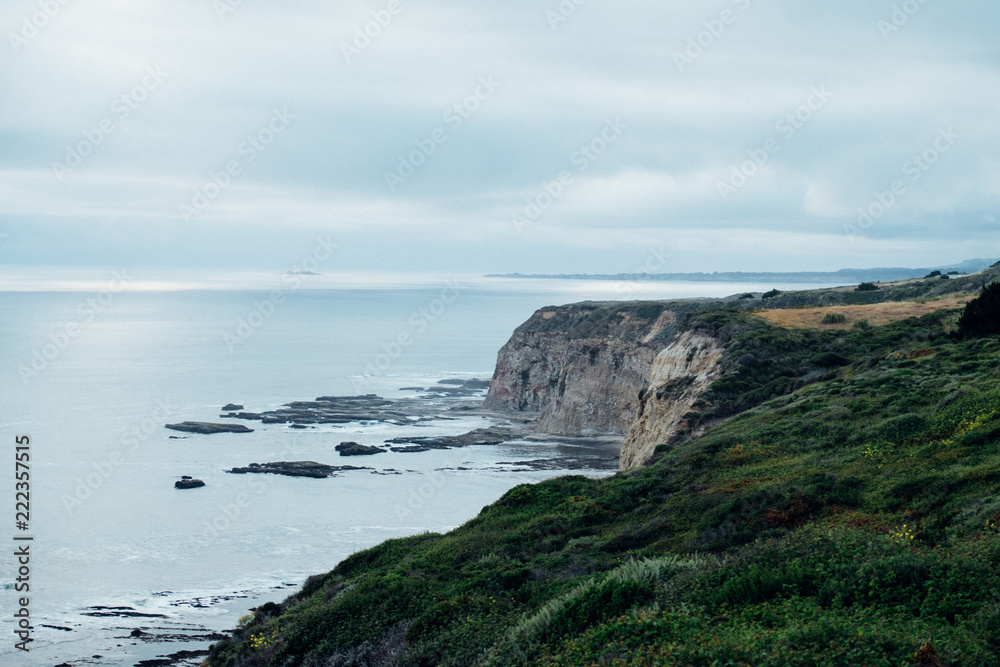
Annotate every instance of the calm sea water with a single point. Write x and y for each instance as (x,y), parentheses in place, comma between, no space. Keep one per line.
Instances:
(92,371)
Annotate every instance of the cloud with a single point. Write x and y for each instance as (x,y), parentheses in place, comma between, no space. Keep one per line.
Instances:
(362,103)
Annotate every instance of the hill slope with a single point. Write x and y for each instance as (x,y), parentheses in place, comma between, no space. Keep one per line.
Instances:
(843,511)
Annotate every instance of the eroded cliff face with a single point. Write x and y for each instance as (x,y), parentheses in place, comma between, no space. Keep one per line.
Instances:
(580,368)
(680,375)
(614,368)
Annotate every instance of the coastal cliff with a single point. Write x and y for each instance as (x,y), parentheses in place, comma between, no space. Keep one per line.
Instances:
(581,368)
(853,452)
(610,368)
(680,376)
(645,370)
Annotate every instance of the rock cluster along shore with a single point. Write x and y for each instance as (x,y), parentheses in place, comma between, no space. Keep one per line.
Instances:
(295,469)
(341,410)
(493,435)
(369,408)
(208,428)
(366,407)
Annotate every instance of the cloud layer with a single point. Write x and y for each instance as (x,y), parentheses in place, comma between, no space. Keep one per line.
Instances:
(520,136)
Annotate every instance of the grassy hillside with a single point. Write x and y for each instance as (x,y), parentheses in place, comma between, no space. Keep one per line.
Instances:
(844,510)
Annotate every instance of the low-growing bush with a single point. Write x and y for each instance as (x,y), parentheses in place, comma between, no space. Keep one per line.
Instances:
(982,315)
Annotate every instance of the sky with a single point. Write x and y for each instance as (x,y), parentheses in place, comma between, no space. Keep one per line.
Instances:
(575,136)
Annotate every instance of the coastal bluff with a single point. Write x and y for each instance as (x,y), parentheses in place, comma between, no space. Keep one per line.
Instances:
(586,369)
(644,369)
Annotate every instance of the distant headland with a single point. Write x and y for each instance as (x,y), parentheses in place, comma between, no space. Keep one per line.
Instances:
(843,276)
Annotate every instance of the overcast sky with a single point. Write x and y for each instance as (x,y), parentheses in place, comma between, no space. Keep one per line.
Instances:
(587,136)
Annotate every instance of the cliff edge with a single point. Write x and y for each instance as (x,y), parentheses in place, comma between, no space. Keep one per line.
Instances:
(645,370)
(580,368)
(680,376)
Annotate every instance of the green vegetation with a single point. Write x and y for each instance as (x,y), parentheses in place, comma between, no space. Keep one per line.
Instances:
(843,510)
(982,315)
(834,318)
(867,287)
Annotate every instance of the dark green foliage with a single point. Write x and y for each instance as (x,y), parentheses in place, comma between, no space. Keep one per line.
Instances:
(933,274)
(844,511)
(903,427)
(834,318)
(770,294)
(982,314)
(867,287)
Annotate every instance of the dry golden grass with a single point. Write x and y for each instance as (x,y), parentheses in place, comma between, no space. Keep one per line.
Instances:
(877,314)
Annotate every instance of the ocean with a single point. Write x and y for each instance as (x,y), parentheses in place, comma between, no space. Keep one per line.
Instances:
(124,568)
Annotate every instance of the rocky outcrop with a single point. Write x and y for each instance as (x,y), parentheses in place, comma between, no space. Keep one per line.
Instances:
(207,428)
(613,368)
(681,374)
(188,483)
(492,435)
(294,469)
(581,367)
(355,449)
(366,408)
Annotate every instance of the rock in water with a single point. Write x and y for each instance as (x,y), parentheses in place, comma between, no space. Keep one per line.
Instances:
(294,469)
(188,483)
(232,407)
(355,449)
(209,428)
(493,435)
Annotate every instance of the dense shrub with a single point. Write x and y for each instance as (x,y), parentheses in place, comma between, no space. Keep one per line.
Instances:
(982,314)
